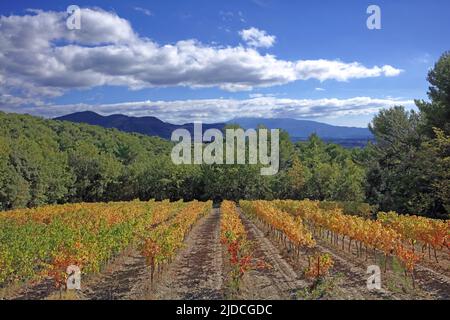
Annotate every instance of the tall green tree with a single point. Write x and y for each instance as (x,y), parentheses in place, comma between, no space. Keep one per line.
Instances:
(296,181)
(436,113)
(392,176)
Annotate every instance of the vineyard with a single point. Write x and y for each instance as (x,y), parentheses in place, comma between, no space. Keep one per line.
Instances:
(40,243)
(279,249)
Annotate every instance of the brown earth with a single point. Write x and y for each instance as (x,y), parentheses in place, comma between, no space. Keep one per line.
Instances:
(350,281)
(196,272)
(278,281)
(350,278)
(429,283)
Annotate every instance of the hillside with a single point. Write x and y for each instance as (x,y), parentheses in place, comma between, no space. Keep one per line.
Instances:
(150,126)
(299,130)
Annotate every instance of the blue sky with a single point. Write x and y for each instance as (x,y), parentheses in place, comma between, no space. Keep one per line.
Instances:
(319,60)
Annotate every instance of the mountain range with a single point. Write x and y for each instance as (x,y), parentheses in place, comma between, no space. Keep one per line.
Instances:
(297,129)
(302,129)
(150,126)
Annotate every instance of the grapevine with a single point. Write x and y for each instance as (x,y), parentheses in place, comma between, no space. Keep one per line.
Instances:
(365,234)
(160,244)
(42,242)
(430,233)
(234,237)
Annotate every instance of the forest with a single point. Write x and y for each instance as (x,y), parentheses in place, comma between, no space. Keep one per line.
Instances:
(406,169)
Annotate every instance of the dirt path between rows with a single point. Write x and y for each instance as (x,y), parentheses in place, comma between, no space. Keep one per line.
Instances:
(119,280)
(126,278)
(196,272)
(279,281)
(350,279)
(431,284)
(36,291)
(437,284)
(353,284)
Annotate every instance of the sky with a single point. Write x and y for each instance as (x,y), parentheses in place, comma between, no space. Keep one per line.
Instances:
(212,61)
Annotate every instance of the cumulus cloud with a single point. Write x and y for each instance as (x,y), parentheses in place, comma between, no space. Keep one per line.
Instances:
(325,70)
(216,110)
(40,57)
(257,38)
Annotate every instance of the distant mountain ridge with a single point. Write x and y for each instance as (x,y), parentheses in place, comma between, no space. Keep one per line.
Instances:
(297,129)
(302,129)
(150,126)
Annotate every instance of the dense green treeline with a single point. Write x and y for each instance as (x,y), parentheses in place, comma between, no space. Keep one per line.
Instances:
(47,161)
(407,169)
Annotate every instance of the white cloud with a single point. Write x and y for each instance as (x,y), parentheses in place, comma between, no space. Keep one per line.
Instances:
(320,89)
(144,11)
(326,70)
(40,57)
(261,95)
(390,71)
(217,110)
(257,38)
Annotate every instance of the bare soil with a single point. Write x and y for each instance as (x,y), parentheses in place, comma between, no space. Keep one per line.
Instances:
(127,278)
(349,281)
(196,272)
(429,283)
(30,291)
(278,281)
